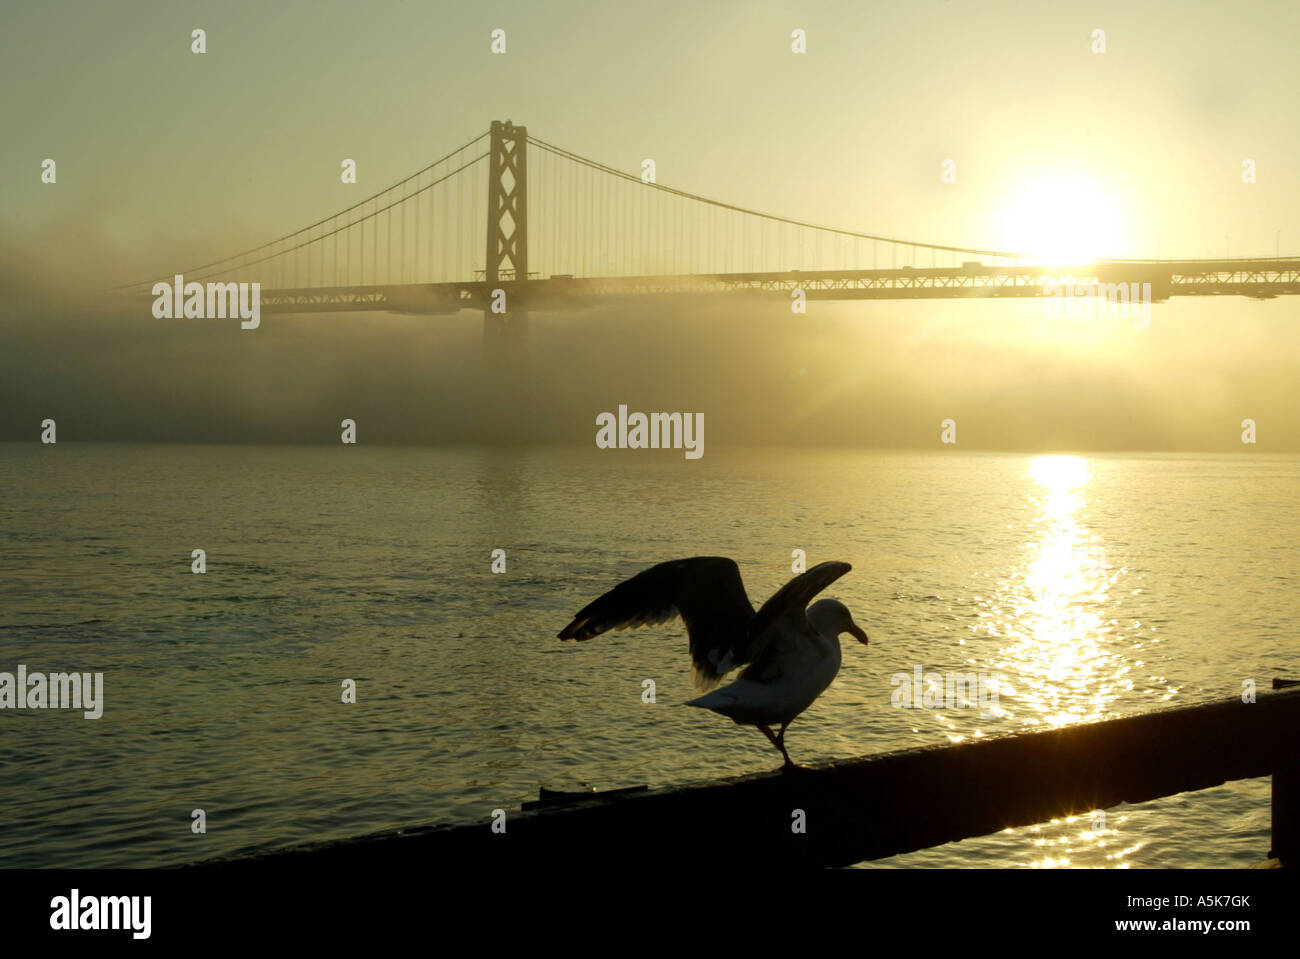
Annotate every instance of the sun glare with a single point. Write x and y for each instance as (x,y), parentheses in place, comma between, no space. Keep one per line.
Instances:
(1059,475)
(1063,219)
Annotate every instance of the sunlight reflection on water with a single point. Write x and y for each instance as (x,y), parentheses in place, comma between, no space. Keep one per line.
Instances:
(1060,640)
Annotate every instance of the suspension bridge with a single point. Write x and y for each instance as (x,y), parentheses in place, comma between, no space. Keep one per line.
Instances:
(510,224)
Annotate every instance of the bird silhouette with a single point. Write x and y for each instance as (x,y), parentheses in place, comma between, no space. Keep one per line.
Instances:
(789,651)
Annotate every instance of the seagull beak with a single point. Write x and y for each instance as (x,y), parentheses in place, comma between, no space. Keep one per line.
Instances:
(858,633)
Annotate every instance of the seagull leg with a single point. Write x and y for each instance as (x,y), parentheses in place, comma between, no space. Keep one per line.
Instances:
(771,736)
(779,741)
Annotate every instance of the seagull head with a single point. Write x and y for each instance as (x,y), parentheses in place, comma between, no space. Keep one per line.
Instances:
(830,617)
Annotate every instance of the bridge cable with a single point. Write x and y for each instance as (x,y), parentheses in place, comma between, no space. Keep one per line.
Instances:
(327,219)
(368,216)
(632,177)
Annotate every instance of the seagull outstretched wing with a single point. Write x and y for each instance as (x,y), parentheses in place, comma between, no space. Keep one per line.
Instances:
(782,618)
(708,594)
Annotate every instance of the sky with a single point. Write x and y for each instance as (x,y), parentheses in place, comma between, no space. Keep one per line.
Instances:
(167,159)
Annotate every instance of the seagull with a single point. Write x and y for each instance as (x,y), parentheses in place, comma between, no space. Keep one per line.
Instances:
(790,650)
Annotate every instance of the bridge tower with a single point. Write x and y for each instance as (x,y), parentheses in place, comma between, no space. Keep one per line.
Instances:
(507,232)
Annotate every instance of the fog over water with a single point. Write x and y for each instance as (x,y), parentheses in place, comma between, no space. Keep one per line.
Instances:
(847,374)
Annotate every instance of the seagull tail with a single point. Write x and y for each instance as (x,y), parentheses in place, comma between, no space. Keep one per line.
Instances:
(720,701)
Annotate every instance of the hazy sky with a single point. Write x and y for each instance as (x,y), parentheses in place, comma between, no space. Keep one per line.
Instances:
(167,159)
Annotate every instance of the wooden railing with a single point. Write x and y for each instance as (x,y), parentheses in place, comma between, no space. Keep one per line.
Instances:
(875,806)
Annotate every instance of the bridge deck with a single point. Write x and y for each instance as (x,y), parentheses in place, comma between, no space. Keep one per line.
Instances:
(1257,279)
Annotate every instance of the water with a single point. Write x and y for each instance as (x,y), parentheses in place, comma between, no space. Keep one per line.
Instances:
(1092,587)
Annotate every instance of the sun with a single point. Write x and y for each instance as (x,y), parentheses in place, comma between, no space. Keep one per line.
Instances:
(1063,218)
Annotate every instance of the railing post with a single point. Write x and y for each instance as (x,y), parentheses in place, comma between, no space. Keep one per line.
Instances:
(1286,814)
(1286,803)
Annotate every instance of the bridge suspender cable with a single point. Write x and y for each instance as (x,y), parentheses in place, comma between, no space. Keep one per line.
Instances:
(316,239)
(596,165)
(312,226)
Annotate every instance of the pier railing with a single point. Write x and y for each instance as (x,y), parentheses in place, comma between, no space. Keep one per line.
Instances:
(877,806)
